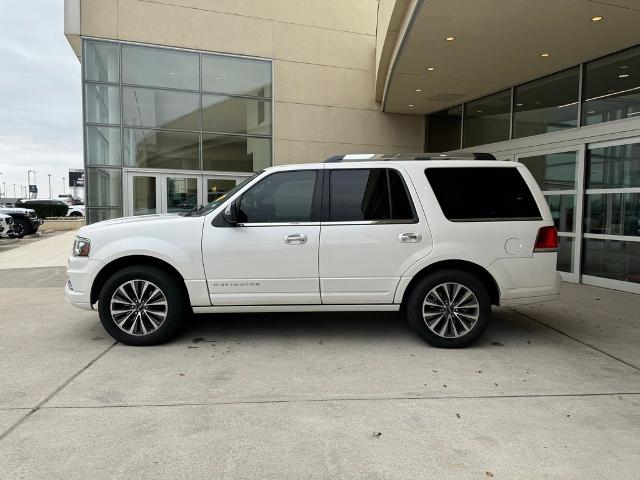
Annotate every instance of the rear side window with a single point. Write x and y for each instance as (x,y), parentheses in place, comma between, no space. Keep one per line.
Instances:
(482,194)
(369,194)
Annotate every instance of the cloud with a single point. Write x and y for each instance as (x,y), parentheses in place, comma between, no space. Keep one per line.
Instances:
(40,96)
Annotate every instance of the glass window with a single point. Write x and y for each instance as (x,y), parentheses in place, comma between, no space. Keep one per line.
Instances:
(611,89)
(614,167)
(613,259)
(368,195)
(101,62)
(613,214)
(158,149)
(104,186)
(144,107)
(563,209)
(217,187)
(487,120)
(102,104)
(482,194)
(226,153)
(565,254)
(100,214)
(281,197)
(156,67)
(239,76)
(236,115)
(144,195)
(556,171)
(103,146)
(443,130)
(548,104)
(182,194)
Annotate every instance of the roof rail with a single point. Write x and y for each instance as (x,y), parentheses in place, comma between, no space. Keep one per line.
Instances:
(372,157)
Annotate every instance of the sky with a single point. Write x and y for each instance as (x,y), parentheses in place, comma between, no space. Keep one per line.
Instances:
(40,96)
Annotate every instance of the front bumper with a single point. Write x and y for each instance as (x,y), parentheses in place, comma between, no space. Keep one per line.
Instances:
(81,272)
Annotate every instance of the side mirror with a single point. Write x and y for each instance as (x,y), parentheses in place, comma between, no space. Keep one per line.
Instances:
(231,214)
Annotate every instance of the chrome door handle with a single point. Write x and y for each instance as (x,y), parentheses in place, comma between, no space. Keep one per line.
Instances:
(295,239)
(409,237)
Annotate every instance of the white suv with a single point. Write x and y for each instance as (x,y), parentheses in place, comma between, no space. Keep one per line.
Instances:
(442,238)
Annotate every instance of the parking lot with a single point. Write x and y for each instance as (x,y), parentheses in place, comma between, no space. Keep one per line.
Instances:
(551,391)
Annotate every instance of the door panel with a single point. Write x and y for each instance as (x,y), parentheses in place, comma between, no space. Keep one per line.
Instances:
(364,263)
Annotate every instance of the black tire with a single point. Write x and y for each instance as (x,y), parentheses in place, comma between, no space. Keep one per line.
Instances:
(76,214)
(173,295)
(454,322)
(21,227)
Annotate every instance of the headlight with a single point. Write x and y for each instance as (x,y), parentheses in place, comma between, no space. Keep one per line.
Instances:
(81,247)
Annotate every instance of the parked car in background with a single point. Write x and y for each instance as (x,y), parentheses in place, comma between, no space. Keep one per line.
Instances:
(48,207)
(76,211)
(6,226)
(440,238)
(25,220)
(70,199)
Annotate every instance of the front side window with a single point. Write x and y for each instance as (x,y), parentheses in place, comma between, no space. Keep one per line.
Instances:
(284,197)
(376,194)
(482,194)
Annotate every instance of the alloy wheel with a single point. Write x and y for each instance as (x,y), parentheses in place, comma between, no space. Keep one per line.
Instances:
(138,307)
(450,310)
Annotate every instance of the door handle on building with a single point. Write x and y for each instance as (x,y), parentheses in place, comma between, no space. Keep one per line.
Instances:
(295,239)
(409,237)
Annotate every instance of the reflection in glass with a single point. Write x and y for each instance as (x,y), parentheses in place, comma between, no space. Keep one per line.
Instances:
(618,260)
(548,104)
(556,171)
(182,194)
(565,254)
(614,167)
(562,210)
(613,214)
(102,104)
(101,62)
(144,107)
(103,146)
(611,88)
(487,120)
(144,195)
(443,130)
(161,149)
(157,67)
(104,187)
(239,76)
(236,115)
(216,187)
(227,153)
(100,214)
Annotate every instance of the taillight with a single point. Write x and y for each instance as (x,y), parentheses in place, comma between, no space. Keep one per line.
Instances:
(547,240)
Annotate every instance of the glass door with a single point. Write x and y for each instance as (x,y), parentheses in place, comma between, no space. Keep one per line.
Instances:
(180,193)
(143,194)
(217,186)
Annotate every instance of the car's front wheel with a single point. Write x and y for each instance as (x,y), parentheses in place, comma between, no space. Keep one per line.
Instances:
(141,305)
(21,227)
(449,309)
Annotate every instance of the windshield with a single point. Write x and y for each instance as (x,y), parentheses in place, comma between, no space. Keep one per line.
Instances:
(209,207)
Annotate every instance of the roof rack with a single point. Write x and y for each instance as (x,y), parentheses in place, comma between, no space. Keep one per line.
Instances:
(370,157)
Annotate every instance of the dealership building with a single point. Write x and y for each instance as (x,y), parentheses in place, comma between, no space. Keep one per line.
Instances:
(182,99)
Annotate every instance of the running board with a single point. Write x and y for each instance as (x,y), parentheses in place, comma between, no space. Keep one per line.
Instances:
(297,308)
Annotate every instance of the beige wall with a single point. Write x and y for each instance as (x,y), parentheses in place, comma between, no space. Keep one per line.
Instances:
(324,63)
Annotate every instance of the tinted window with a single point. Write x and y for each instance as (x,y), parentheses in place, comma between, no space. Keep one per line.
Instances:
(367,195)
(480,194)
(487,120)
(281,197)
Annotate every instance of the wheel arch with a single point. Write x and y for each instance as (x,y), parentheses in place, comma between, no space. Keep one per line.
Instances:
(129,261)
(478,271)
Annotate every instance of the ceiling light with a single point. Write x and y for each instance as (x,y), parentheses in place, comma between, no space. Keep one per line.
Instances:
(622,67)
(591,112)
(545,54)
(431,69)
(624,75)
(450,39)
(519,104)
(411,105)
(443,154)
(418,90)
(478,111)
(597,18)
(171,73)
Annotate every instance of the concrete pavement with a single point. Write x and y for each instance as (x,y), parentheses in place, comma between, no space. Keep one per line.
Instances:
(47,252)
(544,394)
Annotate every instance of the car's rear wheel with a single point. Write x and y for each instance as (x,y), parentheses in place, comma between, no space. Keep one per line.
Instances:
(141,305)
(449,308)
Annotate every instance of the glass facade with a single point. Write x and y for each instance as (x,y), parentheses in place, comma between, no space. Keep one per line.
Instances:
(610,91)
(159,108)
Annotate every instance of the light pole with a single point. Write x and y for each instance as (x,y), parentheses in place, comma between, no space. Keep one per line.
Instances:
(50,194)
(64,191)
(14,190)
(5,194)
